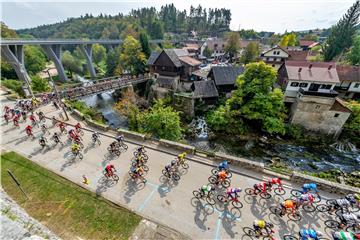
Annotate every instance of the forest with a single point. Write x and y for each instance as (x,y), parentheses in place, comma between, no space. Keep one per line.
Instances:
(154,23)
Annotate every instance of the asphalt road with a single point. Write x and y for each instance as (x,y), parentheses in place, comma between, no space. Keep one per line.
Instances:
(166,202)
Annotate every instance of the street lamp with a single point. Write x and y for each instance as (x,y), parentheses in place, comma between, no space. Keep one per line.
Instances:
(57,94)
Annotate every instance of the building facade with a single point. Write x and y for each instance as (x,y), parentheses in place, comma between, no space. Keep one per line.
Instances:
(349,86)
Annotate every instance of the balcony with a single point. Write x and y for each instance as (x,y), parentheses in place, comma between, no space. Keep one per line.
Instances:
(341,88)
(329,94)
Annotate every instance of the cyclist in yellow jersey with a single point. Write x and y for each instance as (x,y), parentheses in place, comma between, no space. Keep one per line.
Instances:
(260,225)
(75,148)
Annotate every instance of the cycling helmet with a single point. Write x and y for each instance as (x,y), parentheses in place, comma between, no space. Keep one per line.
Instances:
(173,162)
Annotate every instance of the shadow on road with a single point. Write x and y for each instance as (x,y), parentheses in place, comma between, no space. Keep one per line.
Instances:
(103,184)
(202,211)
(132,186)
(166,185)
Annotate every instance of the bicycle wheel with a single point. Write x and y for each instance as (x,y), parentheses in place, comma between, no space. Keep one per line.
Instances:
(332,224)
(145,168)
(279,191)
(237,204)
(98,141)
(212,179)
(309,207)
(294,216)
(175,176)
(265,195)
(81,144)
(145,157)
(185,165)
(296,193)
(322,208)
(135,154)
(80,155)
(275,210)
(115,177)
(109,149)
(210,200)
(117,152)
(165,173)
(229,174)
(289,237)
(249,231)
(249,191)
(197,194)
(123,145)
(214,171)
(222,198)
(225,183)
(354,208)
(353,228)
(132,175)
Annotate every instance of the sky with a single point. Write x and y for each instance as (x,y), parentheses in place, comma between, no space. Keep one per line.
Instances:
(261,15)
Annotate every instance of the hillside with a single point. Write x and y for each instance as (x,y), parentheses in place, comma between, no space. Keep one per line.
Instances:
(153,22)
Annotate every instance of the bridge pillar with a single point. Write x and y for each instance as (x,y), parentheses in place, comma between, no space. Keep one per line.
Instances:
(54,53)
(87,51)
(14,54)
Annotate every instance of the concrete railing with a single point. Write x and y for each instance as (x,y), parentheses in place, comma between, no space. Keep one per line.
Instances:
(240,162)
(131,135)
(177,146)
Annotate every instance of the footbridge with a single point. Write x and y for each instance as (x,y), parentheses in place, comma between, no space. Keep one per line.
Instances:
(12,50)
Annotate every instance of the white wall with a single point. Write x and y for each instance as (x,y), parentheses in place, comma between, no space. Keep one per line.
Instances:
(291,91)
(352,87)
(282,54)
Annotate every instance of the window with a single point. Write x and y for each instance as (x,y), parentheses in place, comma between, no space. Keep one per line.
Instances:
(294,84)
(317,107)
(274,52)
(328,86)
(325,86)
(267,59)
(304,85)
(336,115)
(278,52)
(356,85)
(273,65)
(275,59)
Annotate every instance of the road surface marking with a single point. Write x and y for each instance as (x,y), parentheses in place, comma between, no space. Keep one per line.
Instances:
(142,206)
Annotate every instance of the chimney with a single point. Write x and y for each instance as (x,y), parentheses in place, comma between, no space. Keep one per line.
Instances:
(330,66)
(310,66)
(299,70)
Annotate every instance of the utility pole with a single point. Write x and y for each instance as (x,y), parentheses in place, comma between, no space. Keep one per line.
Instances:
(57,94)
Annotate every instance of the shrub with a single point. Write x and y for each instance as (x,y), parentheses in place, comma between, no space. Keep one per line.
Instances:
(15,85)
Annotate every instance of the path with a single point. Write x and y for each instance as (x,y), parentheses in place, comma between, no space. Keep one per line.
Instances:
(171,204)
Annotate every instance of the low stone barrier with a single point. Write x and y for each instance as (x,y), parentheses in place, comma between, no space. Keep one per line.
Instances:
(241,162)
(91,123)
(131,135)
(177,146)
(322,184)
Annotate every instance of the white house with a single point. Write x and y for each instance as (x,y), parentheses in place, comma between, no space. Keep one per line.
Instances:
(349,86)
(275,56)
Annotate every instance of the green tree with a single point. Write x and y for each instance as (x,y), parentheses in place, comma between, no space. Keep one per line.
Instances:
(163,122)
(352,126)
(233,45)
(132,59)
(112,61)
(6,69)
(71,64)
(35,60)
(254,105)
(292,39)
(354,54)
(251,53)
(342,34)
(157,30)
(39,84)
(98,53)
(207,52)
(6,32)
(145,46)
(284,41)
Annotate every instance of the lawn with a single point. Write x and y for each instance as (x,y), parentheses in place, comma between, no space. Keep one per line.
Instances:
(67,209)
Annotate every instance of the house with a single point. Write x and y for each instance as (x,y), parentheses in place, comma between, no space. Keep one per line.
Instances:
(318,78)
(275,56)
(297,55)
(216,46)
(206,91)
(349,86)
(174,63)
(193,49)
(307,44)
(225,77)
(325,114)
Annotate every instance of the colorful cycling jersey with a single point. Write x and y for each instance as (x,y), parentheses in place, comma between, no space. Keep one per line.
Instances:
(109,168)
(206,188)
(342,235)
(75,147)
(350,217)
(224,165)
(260,223)
(306,197)
(308,233)
(222,174)
(275,181)
(342,202)
(182,155)
(288,204)
(309,186)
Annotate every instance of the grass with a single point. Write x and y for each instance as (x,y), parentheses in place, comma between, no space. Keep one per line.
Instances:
(67,209)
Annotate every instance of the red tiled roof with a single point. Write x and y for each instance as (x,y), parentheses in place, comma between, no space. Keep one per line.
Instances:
(298,55)
(348,73)
(319,71)
(189,60)
(307,43)
(339,106)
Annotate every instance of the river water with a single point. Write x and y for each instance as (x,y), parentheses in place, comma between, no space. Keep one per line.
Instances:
(309,158)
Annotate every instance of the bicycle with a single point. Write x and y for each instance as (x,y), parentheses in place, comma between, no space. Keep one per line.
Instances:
(182,163)
(336,225)
(115,151)
(279,190)
(142,154)
(215,171)
(113,176)
(96,140)
(234,201)
(171,175)
(77,154)
(225,183)
(295,216)
(123,145)
(136,176)
(291,237)
(332,205)
(253,233)
(297,194)
(255,192)
(209,198)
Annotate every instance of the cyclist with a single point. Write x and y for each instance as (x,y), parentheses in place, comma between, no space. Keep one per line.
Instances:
(206,190)
(7,109)
(32,119)
(113,146)
(181,157)
(78,127)
(44,129)
(137,172)
(56,137)
(260,225)
(6,117)
(306,198)
(262,187)
(169,168)
(354,199)
(341,203)
(42,141)
(72,134)
(309,233)
(95,136)
(342,235)
(223,165)
(109,170)
(75,148)
(288,204)
(139,160)
(347,219)
(233,192)
(308,187)
(140,150)
(16,121)
(77,139)
(28,130)
(62,127)
(221,176)
(120,138)
(274,181)
(41,115)
(23,113)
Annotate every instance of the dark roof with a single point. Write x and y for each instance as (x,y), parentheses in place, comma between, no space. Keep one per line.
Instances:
(339,106)
(173,57)
(226,75)
(276,47)
(348,73)
(298,55)
(205,89)
(153,57)
(165,82)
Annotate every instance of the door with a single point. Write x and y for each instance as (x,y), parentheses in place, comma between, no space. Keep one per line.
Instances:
(314,87)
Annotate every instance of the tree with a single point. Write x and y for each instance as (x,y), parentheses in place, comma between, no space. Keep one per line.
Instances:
(98,53)
(112,61)
(163,122)
(284,41)
(311,37)
(233,45)
(251,53)
(352,126)
(253,105)
(157,30)
(292,39)
(39,84)
(71,64)
(6,32)
(354,54)
(207,52)
(132,59)
(342,34)
(35,60)
(145,46)
(6,69)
